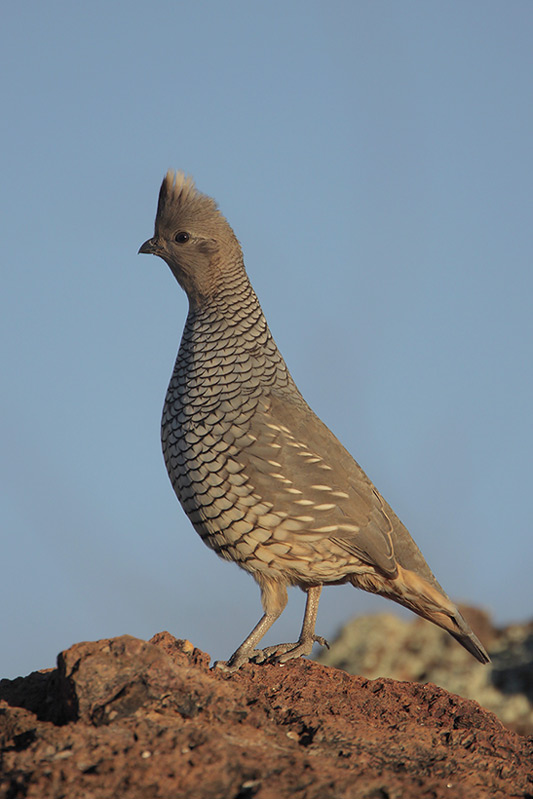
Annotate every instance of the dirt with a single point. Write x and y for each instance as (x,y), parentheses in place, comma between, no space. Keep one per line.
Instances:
(128,718)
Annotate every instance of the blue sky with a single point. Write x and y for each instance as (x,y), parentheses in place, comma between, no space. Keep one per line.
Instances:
(375,160)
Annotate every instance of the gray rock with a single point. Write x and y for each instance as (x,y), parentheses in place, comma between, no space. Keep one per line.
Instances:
(385,645)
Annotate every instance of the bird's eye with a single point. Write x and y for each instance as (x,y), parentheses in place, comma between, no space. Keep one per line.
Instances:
(182,237)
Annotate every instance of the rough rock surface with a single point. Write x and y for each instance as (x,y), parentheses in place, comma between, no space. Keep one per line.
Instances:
(385,645)
(128,718)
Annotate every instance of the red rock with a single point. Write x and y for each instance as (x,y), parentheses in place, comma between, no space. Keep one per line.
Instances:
(130,719)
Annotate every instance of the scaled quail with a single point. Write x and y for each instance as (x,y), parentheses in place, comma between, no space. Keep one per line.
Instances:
(263,481)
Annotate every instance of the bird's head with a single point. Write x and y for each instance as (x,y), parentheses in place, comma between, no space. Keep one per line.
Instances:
(193,237)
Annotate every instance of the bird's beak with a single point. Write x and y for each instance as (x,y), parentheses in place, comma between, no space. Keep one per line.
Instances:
(148,248)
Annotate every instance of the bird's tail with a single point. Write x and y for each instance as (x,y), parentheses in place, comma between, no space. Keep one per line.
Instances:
(469,640)
(431,603)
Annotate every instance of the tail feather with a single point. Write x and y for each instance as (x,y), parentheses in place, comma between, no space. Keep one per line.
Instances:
(428,601)
(453,622)
(471,642)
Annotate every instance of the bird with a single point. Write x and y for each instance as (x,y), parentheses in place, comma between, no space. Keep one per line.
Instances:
(263,480)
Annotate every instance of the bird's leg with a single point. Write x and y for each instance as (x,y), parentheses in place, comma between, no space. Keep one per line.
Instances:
(247,649)
(303,646)
(274,599)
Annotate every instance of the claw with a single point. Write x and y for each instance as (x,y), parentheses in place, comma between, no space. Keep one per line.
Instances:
(259,656)
(224,666)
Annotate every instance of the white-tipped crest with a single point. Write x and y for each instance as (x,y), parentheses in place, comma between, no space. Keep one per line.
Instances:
(180,200)
(179,187)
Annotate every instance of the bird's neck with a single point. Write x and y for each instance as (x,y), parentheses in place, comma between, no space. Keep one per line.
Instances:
(230,315)
(227,345)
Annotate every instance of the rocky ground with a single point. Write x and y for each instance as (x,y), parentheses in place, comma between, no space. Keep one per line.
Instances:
(385,645)
(128,718)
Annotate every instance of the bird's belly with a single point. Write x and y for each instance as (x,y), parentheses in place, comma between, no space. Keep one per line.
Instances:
(215,472)
(235,521)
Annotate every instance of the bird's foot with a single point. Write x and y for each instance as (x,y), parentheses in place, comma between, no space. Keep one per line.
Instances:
(225,666)
(241,656)
(233,664)
(281,653)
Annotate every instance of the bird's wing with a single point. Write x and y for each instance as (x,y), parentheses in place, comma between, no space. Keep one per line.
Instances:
(299,466)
